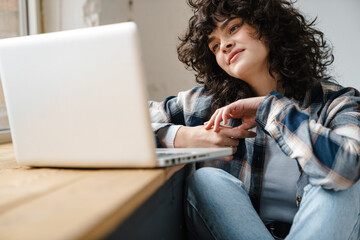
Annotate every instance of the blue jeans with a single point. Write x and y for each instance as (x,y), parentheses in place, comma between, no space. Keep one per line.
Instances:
(217,206)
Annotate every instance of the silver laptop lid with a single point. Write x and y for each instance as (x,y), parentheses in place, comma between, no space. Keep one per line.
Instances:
(65,96)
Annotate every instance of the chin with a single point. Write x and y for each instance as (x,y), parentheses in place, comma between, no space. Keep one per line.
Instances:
(238,72)
(238,75)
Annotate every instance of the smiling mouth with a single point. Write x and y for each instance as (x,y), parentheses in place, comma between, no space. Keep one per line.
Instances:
(234,55)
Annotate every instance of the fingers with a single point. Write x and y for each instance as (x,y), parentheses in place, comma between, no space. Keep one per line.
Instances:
(243,108)
(218,120)
(238,132)
(244,133)
(232,142)
(228,136)
(234,149)
(223,116)
(210,123)
(220,115)
(229,158)
(226,159)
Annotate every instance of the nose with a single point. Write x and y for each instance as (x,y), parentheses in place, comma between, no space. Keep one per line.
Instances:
(227,46)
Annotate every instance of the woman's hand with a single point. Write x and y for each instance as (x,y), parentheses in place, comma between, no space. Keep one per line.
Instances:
(244,109)
(198,137)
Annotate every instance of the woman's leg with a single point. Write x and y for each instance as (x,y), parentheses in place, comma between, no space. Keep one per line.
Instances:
(218,207)
(326,214)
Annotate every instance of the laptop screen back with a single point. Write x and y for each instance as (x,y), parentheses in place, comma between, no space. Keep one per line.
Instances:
(78,98)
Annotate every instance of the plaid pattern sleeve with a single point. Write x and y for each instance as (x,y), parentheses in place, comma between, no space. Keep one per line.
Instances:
(188,108)
(324,136)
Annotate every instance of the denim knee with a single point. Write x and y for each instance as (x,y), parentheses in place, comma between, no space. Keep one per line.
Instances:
(218,207)
(328,214)
(207,180)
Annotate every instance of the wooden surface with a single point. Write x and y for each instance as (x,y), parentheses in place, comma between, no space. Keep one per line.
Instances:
(52,203)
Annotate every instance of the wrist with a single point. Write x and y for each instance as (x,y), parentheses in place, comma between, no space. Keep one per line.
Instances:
(181,137)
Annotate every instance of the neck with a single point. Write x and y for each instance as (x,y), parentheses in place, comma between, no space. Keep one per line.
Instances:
(262,83)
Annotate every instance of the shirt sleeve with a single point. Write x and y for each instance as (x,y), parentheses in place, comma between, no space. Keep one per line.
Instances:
(327,146)
(188,108)
(167,135)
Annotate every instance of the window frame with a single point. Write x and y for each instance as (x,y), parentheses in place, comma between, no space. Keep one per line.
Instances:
(30,23)
(29,16)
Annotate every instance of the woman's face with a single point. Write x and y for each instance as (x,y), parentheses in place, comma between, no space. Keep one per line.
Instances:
(238,52)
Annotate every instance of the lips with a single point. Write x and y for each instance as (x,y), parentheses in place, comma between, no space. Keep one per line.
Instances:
(234,55)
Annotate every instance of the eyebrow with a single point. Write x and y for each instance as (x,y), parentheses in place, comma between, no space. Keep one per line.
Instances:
(222,27)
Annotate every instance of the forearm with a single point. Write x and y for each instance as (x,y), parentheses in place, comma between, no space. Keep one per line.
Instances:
(183,138)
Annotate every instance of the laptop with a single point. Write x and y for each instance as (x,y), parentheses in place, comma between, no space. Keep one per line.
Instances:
(78,99)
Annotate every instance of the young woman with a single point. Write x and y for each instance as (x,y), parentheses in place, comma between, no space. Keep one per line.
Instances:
(295,133)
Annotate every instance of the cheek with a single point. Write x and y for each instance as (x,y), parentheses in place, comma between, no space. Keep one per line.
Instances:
(221,62)
(262,49)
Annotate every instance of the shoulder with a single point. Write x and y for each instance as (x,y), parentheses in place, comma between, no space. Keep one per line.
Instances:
(325,91)
(333,90)
(194,93)
(329,99)
(193,102)
(196,97)
(196,105)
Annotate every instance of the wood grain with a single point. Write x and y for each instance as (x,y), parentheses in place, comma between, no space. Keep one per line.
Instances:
(51,203)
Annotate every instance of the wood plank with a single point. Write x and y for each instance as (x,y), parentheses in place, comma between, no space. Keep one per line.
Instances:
(137,188)
(18,186)
(51,203)
(86,209)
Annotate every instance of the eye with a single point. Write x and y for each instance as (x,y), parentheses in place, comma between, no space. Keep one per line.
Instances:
(234,28)
(214,47)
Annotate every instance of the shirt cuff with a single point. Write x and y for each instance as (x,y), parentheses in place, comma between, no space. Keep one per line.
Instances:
(167,135)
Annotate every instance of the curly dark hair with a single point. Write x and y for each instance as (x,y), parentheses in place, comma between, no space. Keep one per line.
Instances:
(298,53)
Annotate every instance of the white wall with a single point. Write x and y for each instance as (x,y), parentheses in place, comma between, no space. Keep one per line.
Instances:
(161,21)
(340,21)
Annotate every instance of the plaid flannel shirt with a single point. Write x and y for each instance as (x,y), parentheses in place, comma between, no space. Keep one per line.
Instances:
(322,133)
